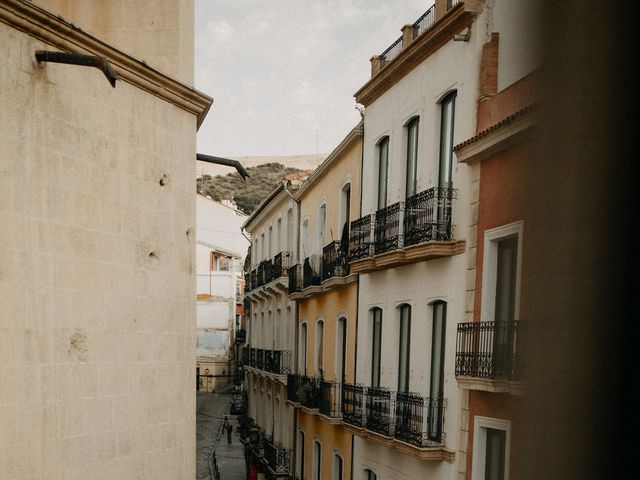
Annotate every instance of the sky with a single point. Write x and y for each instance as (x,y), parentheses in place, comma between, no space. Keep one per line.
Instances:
(283,72)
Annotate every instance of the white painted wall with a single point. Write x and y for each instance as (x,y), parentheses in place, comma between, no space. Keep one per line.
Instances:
(455,66)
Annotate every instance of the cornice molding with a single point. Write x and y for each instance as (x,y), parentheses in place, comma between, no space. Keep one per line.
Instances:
(458,18)
(61,34)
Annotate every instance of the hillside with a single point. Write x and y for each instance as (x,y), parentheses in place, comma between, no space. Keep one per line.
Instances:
(247,195)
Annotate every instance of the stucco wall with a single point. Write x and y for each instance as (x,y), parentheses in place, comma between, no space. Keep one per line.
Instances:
(160,32)
(97,324)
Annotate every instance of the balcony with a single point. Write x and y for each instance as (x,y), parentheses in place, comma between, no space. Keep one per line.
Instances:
(330,399)
(241,336)
(270,274)
(276,457)
(295,279)
(311,273)
(405,232)
(265,360)
(304,390)
(488,356)
(406,421)
(321,274)
(335,261)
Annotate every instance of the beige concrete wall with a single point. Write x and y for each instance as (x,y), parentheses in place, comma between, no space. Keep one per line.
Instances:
(160,32)
(97,318)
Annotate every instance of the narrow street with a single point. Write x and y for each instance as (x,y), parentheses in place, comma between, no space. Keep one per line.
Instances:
(211,410)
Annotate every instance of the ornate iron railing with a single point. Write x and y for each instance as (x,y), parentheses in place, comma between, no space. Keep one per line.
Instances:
(360,238)
(335,261)
(252,357)
(295,278)
(380,410)
(281,362)
(254,278)
(391,52)
(310,275)
(419,420)
(353,405)
(304,390)
(331,399)
(489,350)
(387,228)
(427,216)
(277,457)
(425,22)
(281,264)
(259,359)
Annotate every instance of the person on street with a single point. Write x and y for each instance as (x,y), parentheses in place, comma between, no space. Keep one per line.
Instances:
(229,430)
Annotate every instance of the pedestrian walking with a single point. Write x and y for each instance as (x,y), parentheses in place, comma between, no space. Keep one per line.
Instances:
(229,430)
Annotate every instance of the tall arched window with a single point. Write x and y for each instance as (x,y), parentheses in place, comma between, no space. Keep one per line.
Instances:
(319,348)
(436,383)
(337,467)
(317,460)
(322,226)
(404,349)
(369,475)
(376,345)
(304,239)
(412,157)
(300,454)
(447,114)
(383,171)
(341,350)
(302,360)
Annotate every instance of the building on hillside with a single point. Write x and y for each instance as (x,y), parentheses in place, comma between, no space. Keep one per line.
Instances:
(271,322)
(220,251)
(326,294)
(489,348)
(410,248)
(96,241)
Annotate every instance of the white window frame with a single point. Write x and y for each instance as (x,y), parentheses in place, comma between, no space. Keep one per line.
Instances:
(490,267)
(334,465)
(480,425)
(316,464)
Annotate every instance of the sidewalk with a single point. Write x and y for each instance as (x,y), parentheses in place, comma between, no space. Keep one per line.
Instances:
(211,409)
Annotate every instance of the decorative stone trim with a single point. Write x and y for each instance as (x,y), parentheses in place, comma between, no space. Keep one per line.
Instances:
(57,32)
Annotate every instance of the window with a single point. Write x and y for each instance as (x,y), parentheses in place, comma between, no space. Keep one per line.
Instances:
(376,344)
(436,385)
(345,206)
(500,292)
(337,467)
(304,238)
(404,348)
(322,225)
(412,157)
(317,460)
(369,475)
(262,247)
(341,350)
(300,454)
(320,348)
(383,171)
(491,449)
(302,367)
(270,243)
(290,230)
(278,236)
(447,110)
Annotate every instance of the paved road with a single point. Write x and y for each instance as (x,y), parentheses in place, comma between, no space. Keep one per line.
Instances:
(211,410)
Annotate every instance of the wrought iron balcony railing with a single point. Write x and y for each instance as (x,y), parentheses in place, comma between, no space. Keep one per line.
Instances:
(335,261)
(379,410)
(427,216)
(295,279)
(360,237)
(311,274)
(388,234)
(489,350)
(331,399)
(277,457)
(304,390)
(277,361)
(259,359)
(353,405)
(281,264)
(241,336)
(408,417)
(252,357)
(419,420)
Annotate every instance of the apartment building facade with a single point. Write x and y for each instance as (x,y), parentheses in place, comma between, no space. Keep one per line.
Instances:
(326,295)
(220,252)
(411,249)
(490,344)
(98,233)
(271,330)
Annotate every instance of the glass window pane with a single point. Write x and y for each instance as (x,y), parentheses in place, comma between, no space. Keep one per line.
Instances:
(494,454)
(383,167)
(412,157)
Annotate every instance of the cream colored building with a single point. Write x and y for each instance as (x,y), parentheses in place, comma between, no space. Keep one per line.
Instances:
(97,241)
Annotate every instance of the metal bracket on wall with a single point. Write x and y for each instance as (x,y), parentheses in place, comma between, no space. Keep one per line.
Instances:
(76,59)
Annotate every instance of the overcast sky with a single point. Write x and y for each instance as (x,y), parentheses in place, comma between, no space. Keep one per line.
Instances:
(283,72)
